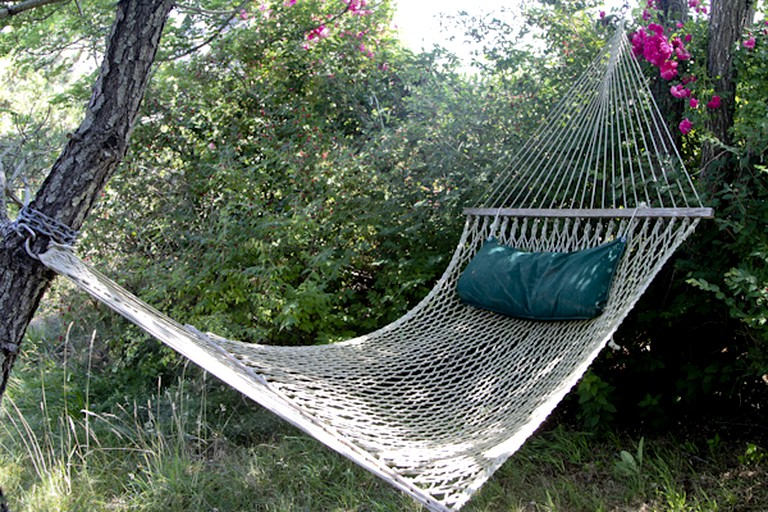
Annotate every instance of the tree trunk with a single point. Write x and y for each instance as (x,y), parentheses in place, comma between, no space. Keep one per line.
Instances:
(728,18)
(84,166)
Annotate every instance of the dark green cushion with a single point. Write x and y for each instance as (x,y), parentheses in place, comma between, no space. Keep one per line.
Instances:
(541,285)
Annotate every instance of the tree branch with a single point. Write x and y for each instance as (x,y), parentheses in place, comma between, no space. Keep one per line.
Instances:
(230,15)
(26,5)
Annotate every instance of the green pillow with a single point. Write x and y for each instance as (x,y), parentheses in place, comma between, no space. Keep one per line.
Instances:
(541,285)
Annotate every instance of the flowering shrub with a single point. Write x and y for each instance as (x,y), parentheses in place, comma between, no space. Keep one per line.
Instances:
(667,50)
(709,342)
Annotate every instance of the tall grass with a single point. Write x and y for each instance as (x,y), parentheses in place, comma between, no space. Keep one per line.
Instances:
(191,444)
(163,451)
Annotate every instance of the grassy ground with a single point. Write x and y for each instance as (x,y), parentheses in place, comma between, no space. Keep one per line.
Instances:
(75,437)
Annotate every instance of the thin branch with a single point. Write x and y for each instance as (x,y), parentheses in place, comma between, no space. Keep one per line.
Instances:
(26,5)
(231,15)
(199,10)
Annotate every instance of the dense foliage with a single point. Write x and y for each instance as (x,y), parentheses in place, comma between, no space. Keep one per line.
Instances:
(698,341)
(299,178)
(265,212)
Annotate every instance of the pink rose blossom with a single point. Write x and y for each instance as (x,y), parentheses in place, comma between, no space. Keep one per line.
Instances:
(646,15)
(669,70)
(320,32)
(682,53)
(638,42)
(657,49)
(714,102)
(685,126)
(749,43)
(679,91)
(693,103)
(356,6)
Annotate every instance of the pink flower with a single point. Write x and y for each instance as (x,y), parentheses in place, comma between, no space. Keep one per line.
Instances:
(320,32)
(685,126)
(749,43)
(243,14)
(689,79)
(289,3)
(714,102)
(669,70)
(693,103)
(646,15)
(602,14)
(679,91)
(657,49)
(638,42)
(356,6)
(688,38)
(682,53)
(679,25)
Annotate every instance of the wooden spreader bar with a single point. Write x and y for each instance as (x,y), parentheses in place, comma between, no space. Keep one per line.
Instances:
(704,213)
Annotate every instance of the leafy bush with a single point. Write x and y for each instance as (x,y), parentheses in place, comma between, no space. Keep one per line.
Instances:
(295,190)
(698,340)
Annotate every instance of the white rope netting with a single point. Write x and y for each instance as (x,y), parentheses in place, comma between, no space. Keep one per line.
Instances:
(435,402)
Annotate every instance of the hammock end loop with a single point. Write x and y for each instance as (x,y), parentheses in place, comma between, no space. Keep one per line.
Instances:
(31,222)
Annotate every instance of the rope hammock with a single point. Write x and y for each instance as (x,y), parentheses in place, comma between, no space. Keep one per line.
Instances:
(435,402)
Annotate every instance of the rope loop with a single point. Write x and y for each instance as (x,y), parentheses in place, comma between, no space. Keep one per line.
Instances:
(31,223)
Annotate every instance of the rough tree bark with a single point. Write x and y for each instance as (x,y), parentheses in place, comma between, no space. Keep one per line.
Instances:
(84,166)
(728,18)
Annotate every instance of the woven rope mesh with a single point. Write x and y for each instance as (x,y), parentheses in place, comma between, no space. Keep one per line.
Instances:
(435,402)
